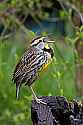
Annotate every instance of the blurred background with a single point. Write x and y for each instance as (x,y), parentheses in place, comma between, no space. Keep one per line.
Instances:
(20,21)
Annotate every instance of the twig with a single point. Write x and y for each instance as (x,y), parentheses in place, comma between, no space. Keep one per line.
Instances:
(73,7)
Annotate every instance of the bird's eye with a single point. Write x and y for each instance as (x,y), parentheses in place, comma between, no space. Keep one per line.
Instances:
(45,39)
(40,40)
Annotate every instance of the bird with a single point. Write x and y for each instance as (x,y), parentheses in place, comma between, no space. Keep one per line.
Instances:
(34,60)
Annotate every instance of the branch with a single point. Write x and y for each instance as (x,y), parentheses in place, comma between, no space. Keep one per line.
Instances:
(73,7)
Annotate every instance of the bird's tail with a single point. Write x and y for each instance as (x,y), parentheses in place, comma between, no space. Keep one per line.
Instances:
(17,91)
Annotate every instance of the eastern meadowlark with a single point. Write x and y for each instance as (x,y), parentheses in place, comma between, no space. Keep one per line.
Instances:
(36,58)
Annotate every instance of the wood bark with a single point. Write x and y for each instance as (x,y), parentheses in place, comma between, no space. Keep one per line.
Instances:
(58,111)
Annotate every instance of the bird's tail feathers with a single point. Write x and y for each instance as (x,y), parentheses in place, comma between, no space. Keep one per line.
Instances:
(17,91)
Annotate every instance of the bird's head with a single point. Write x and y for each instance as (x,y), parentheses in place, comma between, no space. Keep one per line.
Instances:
(43,43)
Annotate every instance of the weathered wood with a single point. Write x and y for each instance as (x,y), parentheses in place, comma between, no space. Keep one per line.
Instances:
(57,112)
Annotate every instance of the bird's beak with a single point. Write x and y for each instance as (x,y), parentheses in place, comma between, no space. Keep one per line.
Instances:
(50,41)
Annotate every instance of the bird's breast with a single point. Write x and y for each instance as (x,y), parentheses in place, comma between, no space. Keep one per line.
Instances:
(48,60)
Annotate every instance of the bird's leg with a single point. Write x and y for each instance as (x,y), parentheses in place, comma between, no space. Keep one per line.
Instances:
(35,97)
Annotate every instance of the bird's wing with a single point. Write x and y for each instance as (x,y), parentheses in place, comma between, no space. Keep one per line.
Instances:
(31,61)
(24,63)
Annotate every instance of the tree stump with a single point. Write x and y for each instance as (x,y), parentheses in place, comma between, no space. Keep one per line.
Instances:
(57,112)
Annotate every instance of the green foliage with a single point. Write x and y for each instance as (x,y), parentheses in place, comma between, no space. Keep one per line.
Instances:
(12,112)
(59,79)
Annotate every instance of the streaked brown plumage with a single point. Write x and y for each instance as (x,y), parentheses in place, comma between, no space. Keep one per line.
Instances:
(37,57)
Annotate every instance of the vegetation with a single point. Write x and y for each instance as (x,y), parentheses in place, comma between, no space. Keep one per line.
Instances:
(14,38)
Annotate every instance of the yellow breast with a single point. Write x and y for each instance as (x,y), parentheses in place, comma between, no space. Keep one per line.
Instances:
(45,66)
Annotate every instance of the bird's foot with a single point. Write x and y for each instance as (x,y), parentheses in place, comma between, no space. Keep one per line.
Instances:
(36,98)
(40,101)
